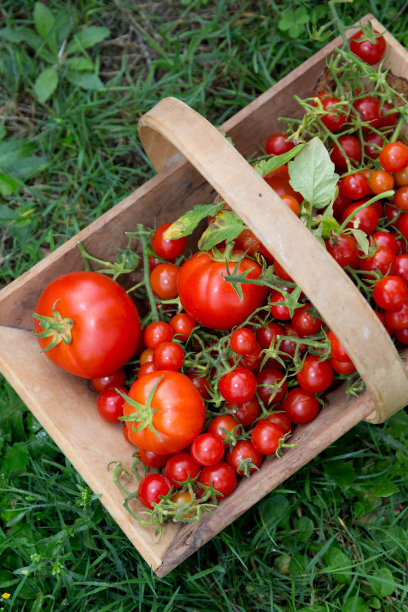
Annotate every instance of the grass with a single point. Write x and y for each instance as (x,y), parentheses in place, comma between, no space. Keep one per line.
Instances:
(334,537)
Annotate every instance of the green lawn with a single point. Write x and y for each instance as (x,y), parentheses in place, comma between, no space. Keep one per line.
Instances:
(334,537)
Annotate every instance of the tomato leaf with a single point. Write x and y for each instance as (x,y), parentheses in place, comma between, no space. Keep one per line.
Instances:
(361,238)
(226,226)
(312,174)
(186,224)
(268,165)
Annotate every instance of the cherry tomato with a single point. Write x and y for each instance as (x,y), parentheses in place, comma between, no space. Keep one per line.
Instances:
(281,186)
(382,260)
(315,376)
(370,49)
(300,406)
(401,266)
(201,384)
(238,385)
(272,385)
(146,368)
(248,243)
(242,340)
(266,437)
(116,379)
(281,420)
(368,110)
(389,116)
(278,310)
(178,412)
(397,319)
(221,476)
(355,186)
(110,404)
(338,351)
(212,301)
(268,334)
(351,147)
(179,467)
(304,322)
(182,325)
(335,120)
(390,292)
(367,217)
(168,356)
(156,333)
(292,203)
(243,458)
(98,320)
(381,181)
(277,144)
(401,177)
(394,157)
(167,249)
(151,488)
(163,280)
(151,459)
(207,449)
(224,424)
(343,248)
(373,143)
(342,367)
(247,412)
(401,198)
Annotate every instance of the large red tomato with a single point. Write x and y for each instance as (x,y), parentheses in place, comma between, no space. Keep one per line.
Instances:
(91,321)
(175,412)
(212,301)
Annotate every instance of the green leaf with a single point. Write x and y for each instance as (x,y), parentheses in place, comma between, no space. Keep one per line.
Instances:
(8,185)
(15,458)
(3,131)
(383,488)
(382,582)
(14,149)
(274,509)
(305,526)
(327,226)
(338,564)
(44,22)
(7,579)
(13,35)
(268,165)
(312,174)
(30,165)
(355,604)
(46,84)
(7,214)
(361,239)
(226,226)
(86,80)
(341,472)
(88,37)
(81,64)
(186,224)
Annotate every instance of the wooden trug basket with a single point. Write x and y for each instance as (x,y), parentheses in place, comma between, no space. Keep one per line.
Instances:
(65,405)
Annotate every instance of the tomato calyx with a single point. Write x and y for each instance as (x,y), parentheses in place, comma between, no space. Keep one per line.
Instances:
(57,327)
(143,414)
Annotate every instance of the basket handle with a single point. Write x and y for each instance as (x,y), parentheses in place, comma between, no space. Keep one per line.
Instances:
(170,127)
